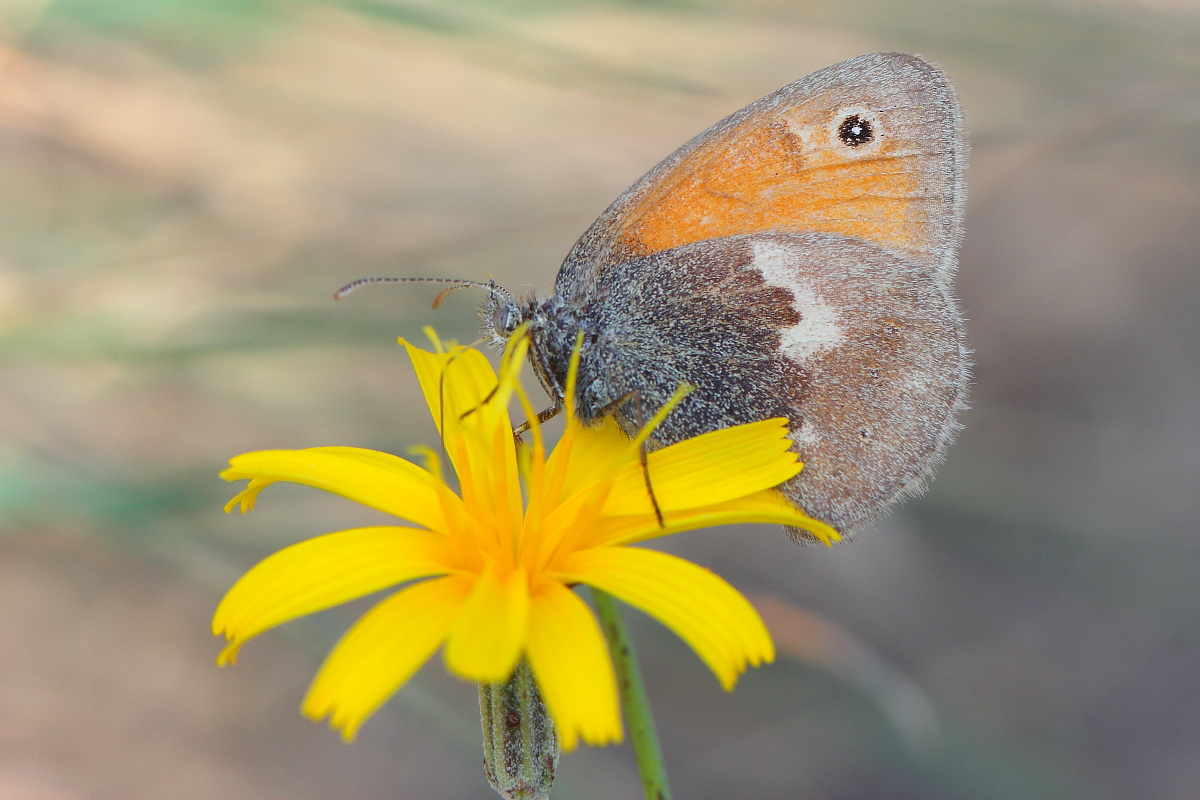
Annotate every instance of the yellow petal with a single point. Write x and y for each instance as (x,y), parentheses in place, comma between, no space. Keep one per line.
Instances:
(469,406)
(382,651)
(761,507)
(705,611)
(495,452)
(577,485)
(573,668)
(468,380)
(489,634)
(488,476)
(375,479)
(596,453)
(573,375)
(320,573)
(708,469)
(245,499)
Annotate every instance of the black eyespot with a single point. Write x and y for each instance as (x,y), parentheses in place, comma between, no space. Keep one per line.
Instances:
(856,131)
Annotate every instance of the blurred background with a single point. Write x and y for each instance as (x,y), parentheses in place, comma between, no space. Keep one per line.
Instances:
(184,183)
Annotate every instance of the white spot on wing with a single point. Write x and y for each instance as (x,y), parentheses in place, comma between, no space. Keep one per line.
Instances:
(804,435)
(819,328)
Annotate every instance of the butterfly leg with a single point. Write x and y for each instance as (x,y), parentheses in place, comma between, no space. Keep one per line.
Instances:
(544,415)
(611,408)
(643,456)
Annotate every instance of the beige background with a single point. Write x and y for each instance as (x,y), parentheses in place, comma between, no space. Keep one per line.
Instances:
(182,186)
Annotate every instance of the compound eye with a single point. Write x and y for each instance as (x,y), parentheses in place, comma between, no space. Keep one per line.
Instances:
(505,320)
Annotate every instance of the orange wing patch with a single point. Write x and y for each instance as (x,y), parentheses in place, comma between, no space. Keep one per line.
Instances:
(789,175)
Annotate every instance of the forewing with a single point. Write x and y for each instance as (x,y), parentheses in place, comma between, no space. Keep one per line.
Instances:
(871,148)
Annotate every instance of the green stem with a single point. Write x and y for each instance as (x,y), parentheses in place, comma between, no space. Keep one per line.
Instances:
(638,716)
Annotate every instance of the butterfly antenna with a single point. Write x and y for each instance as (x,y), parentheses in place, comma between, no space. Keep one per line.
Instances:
(489,287)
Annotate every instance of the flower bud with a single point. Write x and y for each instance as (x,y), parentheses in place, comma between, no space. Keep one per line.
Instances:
(520,744)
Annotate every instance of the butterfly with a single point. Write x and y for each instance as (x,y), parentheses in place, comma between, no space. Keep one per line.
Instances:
(795,260)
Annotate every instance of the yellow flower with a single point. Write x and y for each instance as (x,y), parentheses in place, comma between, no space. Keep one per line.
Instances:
(488,574)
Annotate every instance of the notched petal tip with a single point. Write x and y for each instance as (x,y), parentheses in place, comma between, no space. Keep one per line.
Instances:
(228,654)
(246,498)
(591,739)
(824,533)
(338,721)
(603,739)
(346,727)
(241,501)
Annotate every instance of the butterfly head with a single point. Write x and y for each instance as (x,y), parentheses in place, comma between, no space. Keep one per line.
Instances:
(500,315)
(551,326)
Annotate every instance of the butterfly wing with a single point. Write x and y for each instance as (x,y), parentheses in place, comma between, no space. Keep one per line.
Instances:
(871,148)
(859,347)
(796,259)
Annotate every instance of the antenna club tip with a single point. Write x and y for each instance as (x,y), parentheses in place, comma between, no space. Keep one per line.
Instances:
(347,289)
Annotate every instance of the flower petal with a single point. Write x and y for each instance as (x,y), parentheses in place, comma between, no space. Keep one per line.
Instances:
(705,611)
(469,404)
(382,651)
(245,499)
(320,573)
(489,635)
(573,668)
(506,570)
(595,453)
(711,468)
(375,479)
(467,382)
(761,507)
